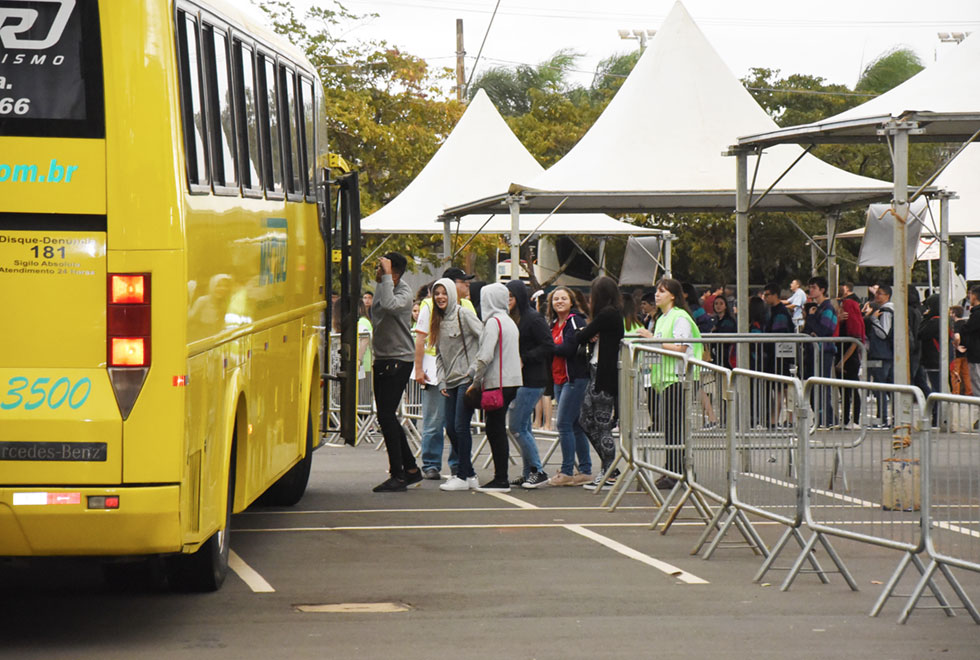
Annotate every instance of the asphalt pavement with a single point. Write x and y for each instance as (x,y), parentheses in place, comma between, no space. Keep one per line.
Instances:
(348,573)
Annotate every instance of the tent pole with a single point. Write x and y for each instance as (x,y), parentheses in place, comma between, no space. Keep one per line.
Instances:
(900,294)
(513,201)
(944,289)
(668,255)
(833,276)
(742,251)
(602,256)
(447,244)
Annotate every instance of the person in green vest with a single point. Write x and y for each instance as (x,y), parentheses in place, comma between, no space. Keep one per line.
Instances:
(667,373)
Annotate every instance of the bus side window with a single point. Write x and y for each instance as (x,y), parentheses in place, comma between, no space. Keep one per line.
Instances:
(269,125)
(250,162)
(290,125)
(222,121)
(192,101)
(308,124)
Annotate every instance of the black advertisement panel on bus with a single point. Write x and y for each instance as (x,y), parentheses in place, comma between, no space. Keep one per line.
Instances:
(50,69)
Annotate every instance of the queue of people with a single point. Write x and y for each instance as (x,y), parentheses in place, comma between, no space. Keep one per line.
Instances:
(506,355)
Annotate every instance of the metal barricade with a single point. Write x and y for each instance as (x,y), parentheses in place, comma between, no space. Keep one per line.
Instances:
(879,503)
(950,500)
(772,477)
(764,458)
(642,444)
(709,450)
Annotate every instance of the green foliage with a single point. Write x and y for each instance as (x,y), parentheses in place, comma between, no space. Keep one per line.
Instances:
(889,70)
(798,99)
(510,89)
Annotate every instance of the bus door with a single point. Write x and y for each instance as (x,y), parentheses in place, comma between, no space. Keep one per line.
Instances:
(341,228)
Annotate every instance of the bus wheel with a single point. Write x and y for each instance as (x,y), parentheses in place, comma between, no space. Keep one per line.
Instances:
(205,569)
(291,486)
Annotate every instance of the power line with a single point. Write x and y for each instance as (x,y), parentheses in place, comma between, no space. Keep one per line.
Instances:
(606,16)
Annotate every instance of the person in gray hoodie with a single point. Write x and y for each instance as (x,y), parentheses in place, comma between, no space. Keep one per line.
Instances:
(498,364)
(394,356)
(455,332)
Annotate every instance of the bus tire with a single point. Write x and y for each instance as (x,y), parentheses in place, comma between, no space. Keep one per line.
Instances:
(291,487)
(205,569)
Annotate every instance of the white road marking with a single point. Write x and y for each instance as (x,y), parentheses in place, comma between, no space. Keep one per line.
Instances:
(390,528)
(248,574)
(444,510)
(513,500)
(662,566)
(627,551)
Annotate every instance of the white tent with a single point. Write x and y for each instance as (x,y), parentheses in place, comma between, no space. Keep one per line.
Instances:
(951,85)
(479,156)
(659,144)
(939,104)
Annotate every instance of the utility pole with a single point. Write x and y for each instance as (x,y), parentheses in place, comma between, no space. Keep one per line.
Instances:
(460,61)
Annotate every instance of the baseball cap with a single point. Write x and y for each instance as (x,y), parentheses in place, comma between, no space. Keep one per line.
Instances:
(457,274)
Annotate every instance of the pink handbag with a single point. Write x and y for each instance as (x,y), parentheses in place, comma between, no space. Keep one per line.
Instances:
(494,399)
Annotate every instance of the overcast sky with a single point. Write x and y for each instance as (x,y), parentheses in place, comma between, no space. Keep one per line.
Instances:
(834,39)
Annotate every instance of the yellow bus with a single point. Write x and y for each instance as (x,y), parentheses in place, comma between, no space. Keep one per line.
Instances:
(161,278)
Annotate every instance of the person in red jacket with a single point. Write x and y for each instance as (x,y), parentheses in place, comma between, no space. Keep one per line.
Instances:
(851,324)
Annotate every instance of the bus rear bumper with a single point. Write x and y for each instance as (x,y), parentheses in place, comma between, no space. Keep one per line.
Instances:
(40,521)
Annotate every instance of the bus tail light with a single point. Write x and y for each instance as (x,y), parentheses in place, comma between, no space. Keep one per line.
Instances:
(128,336)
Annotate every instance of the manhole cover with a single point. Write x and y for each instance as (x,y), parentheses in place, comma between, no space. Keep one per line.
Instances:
(362,608)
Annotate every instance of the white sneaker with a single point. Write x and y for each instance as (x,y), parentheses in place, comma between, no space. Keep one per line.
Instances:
(455,483)
(473,482)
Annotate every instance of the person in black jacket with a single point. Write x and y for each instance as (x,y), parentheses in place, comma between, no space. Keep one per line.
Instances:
(601,397)
(969,336)
(537,348)
(571,376)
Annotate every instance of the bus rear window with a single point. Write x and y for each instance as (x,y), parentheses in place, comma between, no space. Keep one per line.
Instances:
(51,69)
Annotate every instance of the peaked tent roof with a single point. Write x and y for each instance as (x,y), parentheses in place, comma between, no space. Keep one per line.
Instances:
(951,85)
(660,142)
(943,97)
(478,157)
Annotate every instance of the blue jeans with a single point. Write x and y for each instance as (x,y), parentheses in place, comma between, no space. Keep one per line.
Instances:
(569,397)
(459,431)
(520,425)
(433,427)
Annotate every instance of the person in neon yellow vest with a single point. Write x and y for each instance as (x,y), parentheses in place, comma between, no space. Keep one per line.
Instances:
(666,374)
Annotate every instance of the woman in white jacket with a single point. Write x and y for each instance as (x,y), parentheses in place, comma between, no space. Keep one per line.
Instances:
(455,332)
(498,365)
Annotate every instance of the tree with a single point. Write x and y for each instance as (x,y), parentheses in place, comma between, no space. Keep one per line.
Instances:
(510,89)
(889,70)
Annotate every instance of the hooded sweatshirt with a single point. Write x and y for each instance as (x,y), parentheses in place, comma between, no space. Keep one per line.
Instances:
(536,345)
(459,339)
(487,371)
(391,315)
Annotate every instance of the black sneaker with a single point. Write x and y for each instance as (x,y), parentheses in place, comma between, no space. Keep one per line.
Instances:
(495,486)
(607,482)
(535,479)
(431,474)
(413,477)
(519,481)
(391,485)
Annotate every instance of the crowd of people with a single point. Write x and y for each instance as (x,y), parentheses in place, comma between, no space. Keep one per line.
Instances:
(501,349)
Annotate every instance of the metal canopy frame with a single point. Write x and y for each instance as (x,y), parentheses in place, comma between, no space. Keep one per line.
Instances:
(829,201)
(511,203)
(897,132)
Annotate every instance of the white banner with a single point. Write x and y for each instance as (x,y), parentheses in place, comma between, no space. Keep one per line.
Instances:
(876,247)
(972,258)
